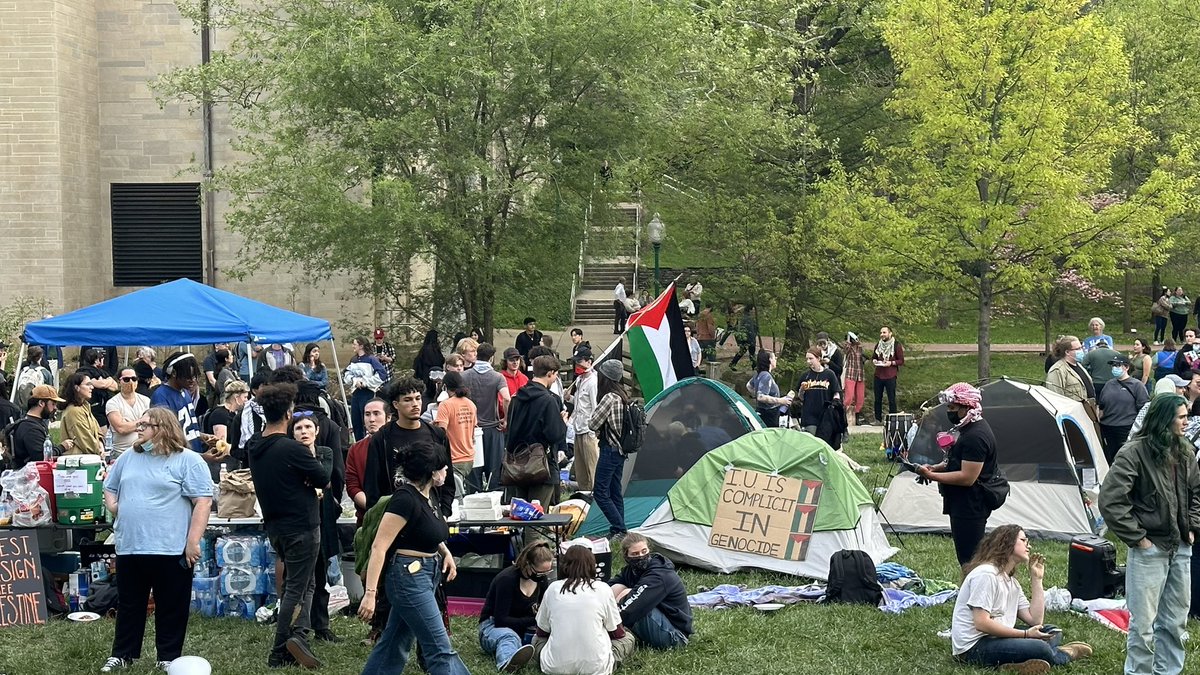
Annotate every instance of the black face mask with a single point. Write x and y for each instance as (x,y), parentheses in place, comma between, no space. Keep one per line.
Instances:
(539,577)
(955,416)
(638,564)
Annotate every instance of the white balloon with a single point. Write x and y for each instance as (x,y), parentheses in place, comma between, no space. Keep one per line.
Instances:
(190,665)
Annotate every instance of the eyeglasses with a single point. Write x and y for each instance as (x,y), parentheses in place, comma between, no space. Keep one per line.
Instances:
(129,379)
(302,413)
(146,425)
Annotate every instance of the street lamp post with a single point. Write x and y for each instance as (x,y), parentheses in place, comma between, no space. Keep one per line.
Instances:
(657,229)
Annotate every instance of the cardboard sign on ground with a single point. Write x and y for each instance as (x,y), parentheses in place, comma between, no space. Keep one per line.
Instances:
(765,515)
(22,599)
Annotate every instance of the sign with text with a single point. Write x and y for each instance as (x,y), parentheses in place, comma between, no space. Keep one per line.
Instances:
(22,599)
(765,515)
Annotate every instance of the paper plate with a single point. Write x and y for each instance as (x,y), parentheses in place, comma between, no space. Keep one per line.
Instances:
(83,616)
(768,606)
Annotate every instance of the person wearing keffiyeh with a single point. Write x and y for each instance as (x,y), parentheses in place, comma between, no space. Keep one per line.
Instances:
(970,462)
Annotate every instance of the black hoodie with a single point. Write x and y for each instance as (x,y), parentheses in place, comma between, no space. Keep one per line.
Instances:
(286,476)
(533,417)
(655,586)
(379,473)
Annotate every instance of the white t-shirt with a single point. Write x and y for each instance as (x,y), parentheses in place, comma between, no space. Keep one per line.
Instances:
(984,588)
(129,413)
(578,622)
(619,293)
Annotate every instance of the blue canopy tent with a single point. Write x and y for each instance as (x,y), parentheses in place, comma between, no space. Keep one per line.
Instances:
(191,314)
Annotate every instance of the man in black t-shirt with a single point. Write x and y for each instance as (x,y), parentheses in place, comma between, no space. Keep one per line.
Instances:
(380,475)
(970,462)
(92,364)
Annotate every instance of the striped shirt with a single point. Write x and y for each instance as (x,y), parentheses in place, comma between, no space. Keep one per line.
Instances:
(607,416)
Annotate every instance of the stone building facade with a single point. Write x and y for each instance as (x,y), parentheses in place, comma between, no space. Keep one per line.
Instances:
(76,117)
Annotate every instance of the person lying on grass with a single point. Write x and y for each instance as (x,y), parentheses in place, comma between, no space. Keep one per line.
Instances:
(983,631)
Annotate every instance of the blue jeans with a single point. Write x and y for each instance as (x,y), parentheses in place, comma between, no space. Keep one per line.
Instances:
(656,631)
(499,642)
(994,651)
(414,614)
(1157,593)
(609,470)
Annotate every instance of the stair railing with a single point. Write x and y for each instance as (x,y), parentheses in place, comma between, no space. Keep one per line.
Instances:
(577,279)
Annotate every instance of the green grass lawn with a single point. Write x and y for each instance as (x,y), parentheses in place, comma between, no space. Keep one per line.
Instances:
(798,639)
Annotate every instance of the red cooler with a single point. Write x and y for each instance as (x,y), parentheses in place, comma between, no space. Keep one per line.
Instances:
(46,480)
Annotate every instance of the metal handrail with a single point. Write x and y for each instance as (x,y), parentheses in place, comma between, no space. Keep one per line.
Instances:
(577,280)
(637,246)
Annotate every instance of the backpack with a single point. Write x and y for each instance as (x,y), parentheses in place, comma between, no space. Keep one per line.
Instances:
(633,427)
(852,579)
(30,377)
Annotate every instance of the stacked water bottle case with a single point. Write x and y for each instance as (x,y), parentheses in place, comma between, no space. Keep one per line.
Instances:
(235,575)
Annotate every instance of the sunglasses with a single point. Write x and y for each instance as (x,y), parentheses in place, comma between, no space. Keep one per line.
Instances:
(142,426)
(301,414)
(129,379)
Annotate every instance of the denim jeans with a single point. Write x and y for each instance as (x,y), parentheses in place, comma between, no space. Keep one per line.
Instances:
(1157,593)
(414,614)
(299,553)
(656,631)
(609,470)
(501,643)
(993,651)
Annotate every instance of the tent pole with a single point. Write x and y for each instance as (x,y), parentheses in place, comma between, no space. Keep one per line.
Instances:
(250,357)
(17,372)
(337,372)
(126,357)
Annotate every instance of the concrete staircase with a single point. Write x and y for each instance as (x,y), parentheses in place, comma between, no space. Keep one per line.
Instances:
(610,253)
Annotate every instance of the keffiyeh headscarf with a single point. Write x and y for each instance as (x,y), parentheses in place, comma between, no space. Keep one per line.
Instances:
(965,395)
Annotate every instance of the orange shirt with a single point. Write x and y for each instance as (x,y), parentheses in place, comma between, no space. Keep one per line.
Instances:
(457,416)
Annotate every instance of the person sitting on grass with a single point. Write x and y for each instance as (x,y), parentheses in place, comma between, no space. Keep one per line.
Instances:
(509,613)
(651,596)
(982,630)
(579,629)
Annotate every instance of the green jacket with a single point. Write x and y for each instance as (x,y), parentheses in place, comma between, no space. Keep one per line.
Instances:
(1144,498)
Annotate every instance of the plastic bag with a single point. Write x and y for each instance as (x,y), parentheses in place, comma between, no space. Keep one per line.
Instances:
(520,509)
(30,501)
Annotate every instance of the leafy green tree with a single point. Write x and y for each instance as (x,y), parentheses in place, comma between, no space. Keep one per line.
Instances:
(1012,115)
(466,134)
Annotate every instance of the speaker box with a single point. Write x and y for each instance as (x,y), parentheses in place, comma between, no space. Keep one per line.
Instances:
(1092,570)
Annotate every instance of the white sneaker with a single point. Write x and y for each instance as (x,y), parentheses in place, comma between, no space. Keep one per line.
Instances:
(163,665)
(114,664)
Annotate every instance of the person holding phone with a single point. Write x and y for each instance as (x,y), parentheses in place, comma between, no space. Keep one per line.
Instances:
(161,497)
(983,628)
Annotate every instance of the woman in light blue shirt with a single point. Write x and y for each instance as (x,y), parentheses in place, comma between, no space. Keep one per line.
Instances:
(161,495)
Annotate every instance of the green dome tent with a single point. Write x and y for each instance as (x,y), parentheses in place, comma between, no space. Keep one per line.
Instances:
(685,421)
(680,528)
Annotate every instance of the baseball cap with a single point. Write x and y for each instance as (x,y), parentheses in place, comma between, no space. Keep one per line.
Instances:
(1118,360)
(1176,380)
(584,354)
(511,353)
(44,392)
(378,333)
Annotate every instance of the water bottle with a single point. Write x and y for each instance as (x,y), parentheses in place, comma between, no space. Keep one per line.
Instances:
(47,450)
(108,444)
(224,472)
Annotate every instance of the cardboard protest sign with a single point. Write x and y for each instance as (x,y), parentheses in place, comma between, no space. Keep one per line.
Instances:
(22,599)
(765,515)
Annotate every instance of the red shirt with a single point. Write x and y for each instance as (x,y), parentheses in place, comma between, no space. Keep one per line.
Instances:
(356,466)
(514,380)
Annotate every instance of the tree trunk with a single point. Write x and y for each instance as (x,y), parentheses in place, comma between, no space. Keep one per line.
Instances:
(985,326)
(1155,284)
(1126,320)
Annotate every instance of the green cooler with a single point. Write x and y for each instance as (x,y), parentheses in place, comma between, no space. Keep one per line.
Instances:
(79,489)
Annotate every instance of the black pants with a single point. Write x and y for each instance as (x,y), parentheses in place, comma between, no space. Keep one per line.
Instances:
(299,553)
(1160,328)
(1114,437)
(1178,325)
(749,346)
(320,597)
(171,582)
(619,317)
(769,416)
(966,533)
(1194,610)
(880,387)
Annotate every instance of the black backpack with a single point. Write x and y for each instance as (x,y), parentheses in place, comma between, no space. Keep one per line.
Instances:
(852,579)
(633,427)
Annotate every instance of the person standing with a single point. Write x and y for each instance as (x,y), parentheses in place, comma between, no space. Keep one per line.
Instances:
(1188,356)
(514,374)
(385,353)
(1150,500)
(304,430)
(1096,362)
(457,416)
(764,391)
(691,295)
(537,417)
(28,436)
(970,463)
(1181,306)
(286,478)
(1119,404)
(212,369)
(365,382)
(428,360)
(374,417)
(831,357)
(578,343)
(620,312)
(78,424)
(816,389)
(161,496)
(528,339)
(606,422)
(487,390)
(30,374)
(1067,377)
(706,333)
(587,447)
(410,549)
(93,364)
(1141,366)
(693,347)
(1097,335)
(1164,359)
(1160,309)
(888,357)
(746,336)
(854,383)
(123,412)
(314,369)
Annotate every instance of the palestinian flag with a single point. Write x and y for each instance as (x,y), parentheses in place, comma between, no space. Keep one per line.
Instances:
(657,347)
